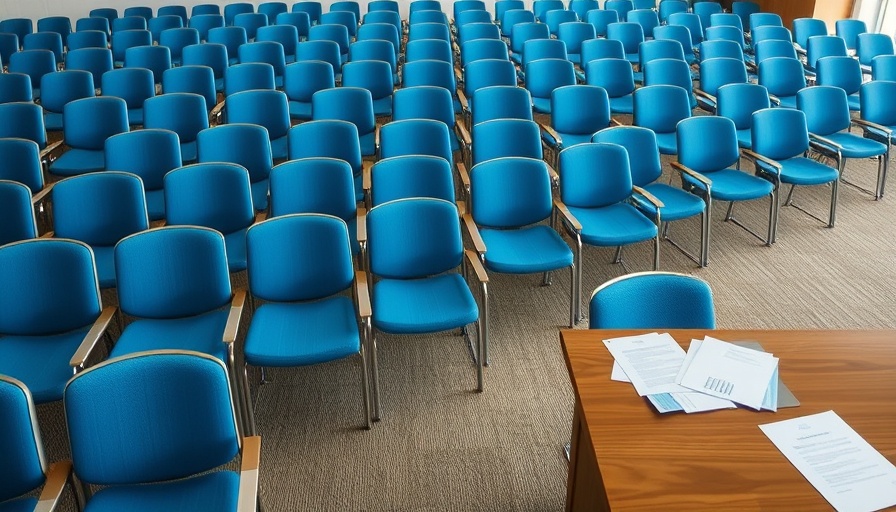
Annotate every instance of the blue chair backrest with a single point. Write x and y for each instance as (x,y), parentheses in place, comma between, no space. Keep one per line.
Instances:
(23,465)
(594,175)
(17,213)
(313,185)
(652,300)
(510,192)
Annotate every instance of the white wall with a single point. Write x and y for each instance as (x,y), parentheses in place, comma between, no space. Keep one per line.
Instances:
(75,9)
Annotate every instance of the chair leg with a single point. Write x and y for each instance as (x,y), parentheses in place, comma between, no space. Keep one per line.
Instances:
(704,236)
(483,330)
(573,296)
(247,403)
(618,257)
(374,366)
(835,186)
(883,177)
(579,264)
(656,251)
(546,279)
(365,381)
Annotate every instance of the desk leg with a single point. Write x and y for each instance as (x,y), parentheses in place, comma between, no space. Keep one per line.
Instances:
(584,485)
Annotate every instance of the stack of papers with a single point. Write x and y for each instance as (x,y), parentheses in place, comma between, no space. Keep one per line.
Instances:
(712,375)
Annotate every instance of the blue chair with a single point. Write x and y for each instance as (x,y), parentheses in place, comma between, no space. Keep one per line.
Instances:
(738,102)
(134,85)
(479,49)
(422,16)
(176,39)
(631,35)
(407,176)
(543,77)
(570,123)
(251,21)
(17,210)
(124,39)
(62,25)
(556,17)
(196,79)
(45,41)
(60,88)
(883,67)
(87,39)
(671,72)
(849,29)
(301,80)
(871,45)
(574,34)
(34,63)
(824,46)
(232,38)
(268,52)
(149,154)
(771,48)
(95,60)
(140,11)
(351,104)
(204,23)
(844,73)
(286,35)
(243,144)
(99,209)
(272,9)
(707,151)
(300,20)
(110,13)
(510,200)
(320,185)
(191,396)
(216,195)
(248,76)
(327,51)
(829,123)
(581,7)
(381,31)
(484,73)
(94,23)
(652,300)
(88,122)
(340,16)
(595,190)
(200,9)
(503,102)
(335,32)
(128,23)
(600,19)
(54,313)
(804,28)
(232,10)
(313,9)
(20,27)
(266,108)
(25,467)
(500,138)
(329,138)
(646,170)
(878,118)
(374,76)
(667,8)
(693,22)
(783,77)
(647,18)
(20,161)
(174,10)
(436,73)
(26,121)
(406,282)
(15,88)
(615,76)
(431,30)
(430,102)
(181,112)
(523,33)
(161,23)
(715,73)
(782,157)
(660,108)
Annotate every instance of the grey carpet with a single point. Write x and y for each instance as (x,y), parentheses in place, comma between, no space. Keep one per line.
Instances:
(442,447)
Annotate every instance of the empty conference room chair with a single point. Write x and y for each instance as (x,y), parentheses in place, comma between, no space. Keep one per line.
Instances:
(149,154)
(352,104)
(243,144)
(738,102)
(328,138)
(60,88)
(301,80)
(88,122)
(134,86)
(17,212)
(652,300)
(181,112)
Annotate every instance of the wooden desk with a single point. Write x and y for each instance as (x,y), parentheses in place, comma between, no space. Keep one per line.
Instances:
(626,456)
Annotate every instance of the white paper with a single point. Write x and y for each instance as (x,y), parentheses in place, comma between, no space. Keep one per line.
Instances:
(618,374)
(843,467)
(727,371)
(651,361)
(699,402)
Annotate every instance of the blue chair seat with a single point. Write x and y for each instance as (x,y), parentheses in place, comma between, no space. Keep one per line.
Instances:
(541,105)
(854,146)
(19,505)
(105,265)
(207,493)
(617,224)
(745,138)
(235,244)
(667,143)
(677,203)
(202,333)
(805,171)
(298,110)
(135,116)
(78,161)
(155,204)
(53,121)
(290,334)
(188,151)
(41,362)
(622,104)
(279,148)
(733,185)
(432,304)
(260,194)
(382,106)
(505,252)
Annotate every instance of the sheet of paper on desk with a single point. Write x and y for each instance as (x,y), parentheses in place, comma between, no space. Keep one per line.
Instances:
(727,371)
(651,361)
(837,461)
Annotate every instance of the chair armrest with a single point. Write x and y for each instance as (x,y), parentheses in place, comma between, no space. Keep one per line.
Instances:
(774,100)
(365,178)
(41,194)
(756,158)
(558,140)
(464,176)
(260,216)
(475,236)
(568,217)
(476,263)
(465,137)
(615,122)
(461,208)
(376,140)
(247,497)
(233,317)
(217,113)
(824,145)
(47,154)
(362,292)
(465,105)
(362,225)
(678,166)
(555,178)
(91,338)
(647,195)
(707,98)
(53,486)
(870,126)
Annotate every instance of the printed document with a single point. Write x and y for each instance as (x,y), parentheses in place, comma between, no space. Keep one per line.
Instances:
(651,361)
(837,461)
(725,370)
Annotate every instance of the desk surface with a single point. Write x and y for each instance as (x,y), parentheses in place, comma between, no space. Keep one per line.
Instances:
(721,460)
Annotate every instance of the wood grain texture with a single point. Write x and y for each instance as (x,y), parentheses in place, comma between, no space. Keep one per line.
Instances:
(721,460)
